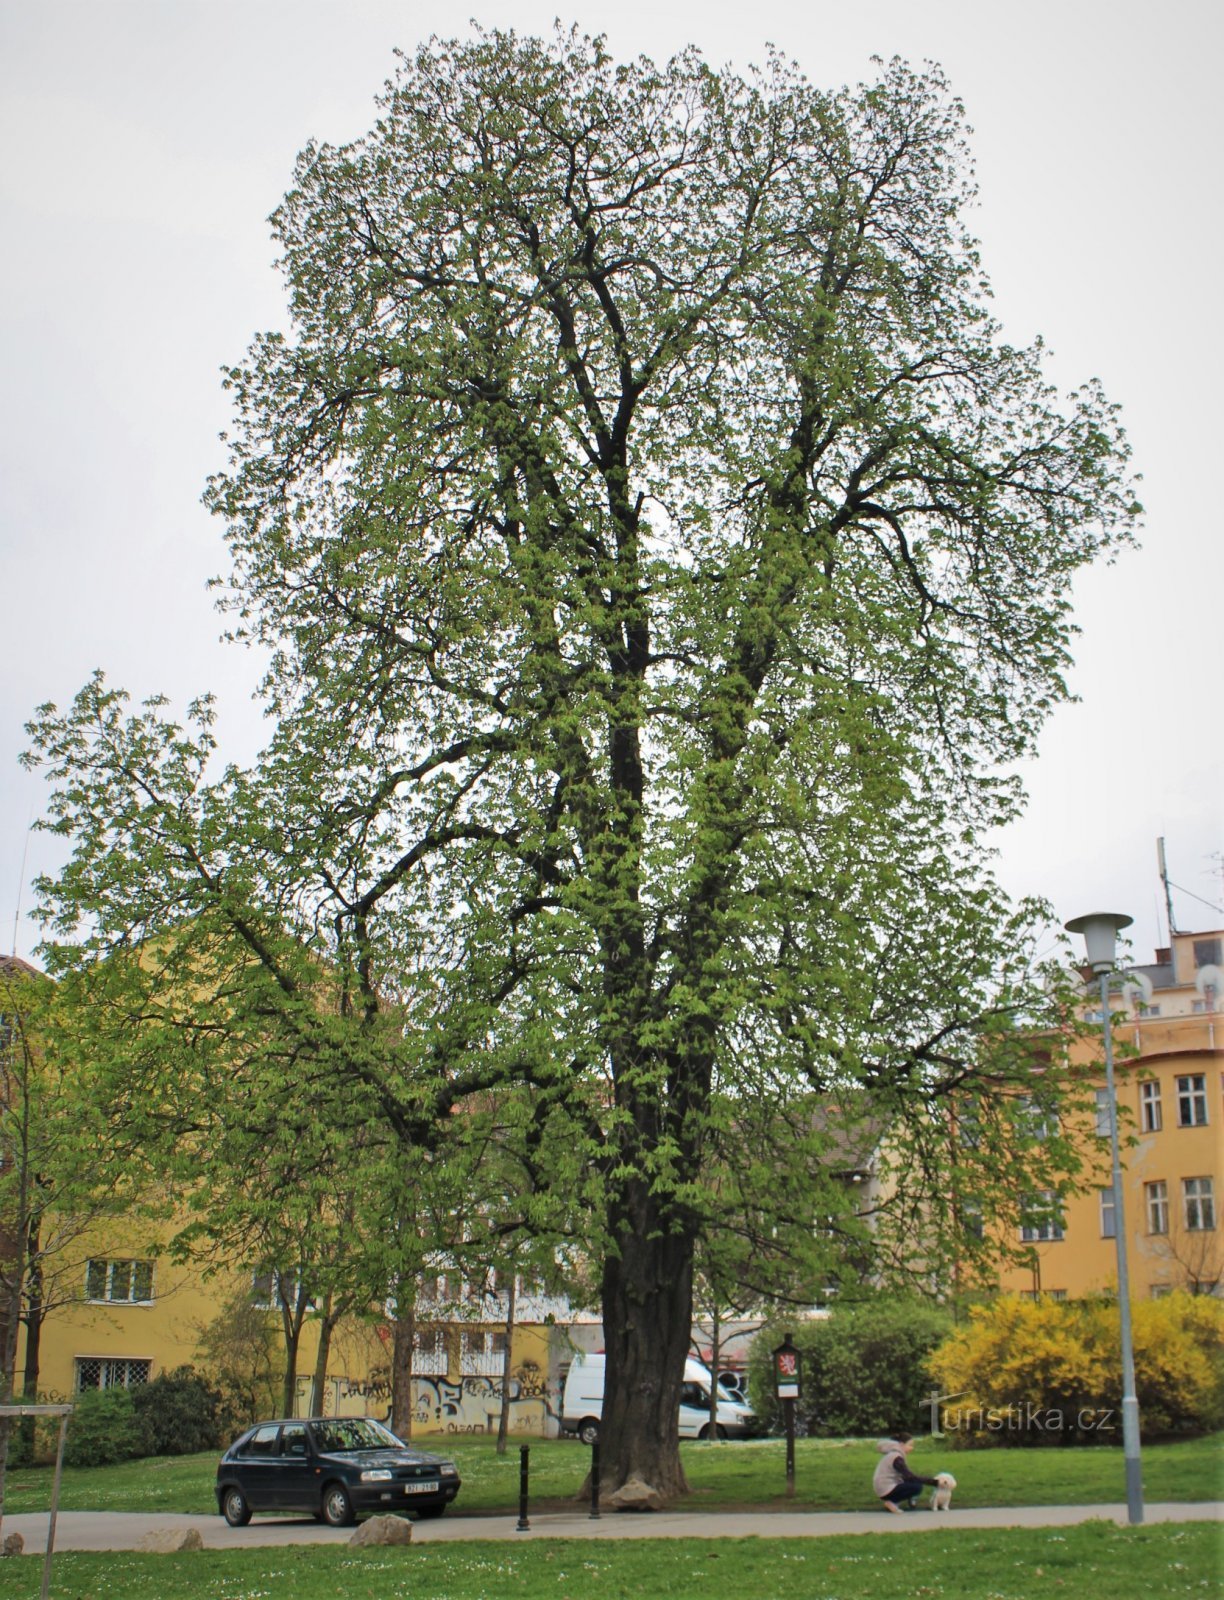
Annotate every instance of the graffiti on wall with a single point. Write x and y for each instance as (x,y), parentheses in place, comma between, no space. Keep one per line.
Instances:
(473,1404)
(469,1404)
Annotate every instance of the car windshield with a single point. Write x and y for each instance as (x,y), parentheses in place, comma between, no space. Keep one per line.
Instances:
(339,1434)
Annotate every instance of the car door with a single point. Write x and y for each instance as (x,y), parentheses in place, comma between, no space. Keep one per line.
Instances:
(258,1465)
(297,1484)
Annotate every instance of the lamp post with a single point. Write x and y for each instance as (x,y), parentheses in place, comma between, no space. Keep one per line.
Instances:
(1100,932)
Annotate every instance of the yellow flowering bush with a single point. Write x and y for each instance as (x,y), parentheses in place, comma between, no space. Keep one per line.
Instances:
(1025,1372)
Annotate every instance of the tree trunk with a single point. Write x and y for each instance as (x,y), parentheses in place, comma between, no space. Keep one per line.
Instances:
(503,1422)
(292,1317)
(402,1350)
(647,1312)
(318,1383)
(33,1347)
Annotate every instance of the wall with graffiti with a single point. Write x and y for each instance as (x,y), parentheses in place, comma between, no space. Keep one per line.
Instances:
(463,1394)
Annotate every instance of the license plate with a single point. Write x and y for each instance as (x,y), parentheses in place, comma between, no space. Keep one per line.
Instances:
(421,1488)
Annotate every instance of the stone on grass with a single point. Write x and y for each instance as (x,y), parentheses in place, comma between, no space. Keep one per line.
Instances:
(635,1494)
(383,1530)
(168,1541)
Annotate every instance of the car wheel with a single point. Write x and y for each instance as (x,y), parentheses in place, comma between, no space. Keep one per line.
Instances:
(234,1508)
(719,1432)
(589,1432)
(337,1506)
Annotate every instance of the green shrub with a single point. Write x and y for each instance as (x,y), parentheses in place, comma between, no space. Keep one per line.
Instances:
(103,1429)
(1048,1372)
(864,1369)
(180,1413)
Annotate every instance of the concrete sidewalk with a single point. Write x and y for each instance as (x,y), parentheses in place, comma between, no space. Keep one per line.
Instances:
(122,1530)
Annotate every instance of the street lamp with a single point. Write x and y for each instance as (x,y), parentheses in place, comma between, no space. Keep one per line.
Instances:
(1100,933)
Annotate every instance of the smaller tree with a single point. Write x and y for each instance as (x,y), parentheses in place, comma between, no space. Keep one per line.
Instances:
(69,1161)
(238,1352)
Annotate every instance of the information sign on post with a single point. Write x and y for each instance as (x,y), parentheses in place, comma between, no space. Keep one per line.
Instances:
(787,1380)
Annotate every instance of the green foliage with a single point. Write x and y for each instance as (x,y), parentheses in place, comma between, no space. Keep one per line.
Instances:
(104,1429)
(238,1350)
(865,1368)
(1049,1372)
(663,560)
(181,1413)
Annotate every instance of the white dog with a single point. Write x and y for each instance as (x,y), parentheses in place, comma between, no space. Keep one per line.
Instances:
(941,1494)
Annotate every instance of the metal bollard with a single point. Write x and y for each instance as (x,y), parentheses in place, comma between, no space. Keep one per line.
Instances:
(595,1479)
(522,1525)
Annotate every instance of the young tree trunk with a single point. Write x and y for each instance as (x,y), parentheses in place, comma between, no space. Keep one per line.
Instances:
(647,1310)
(402,1349)
(293,1316)
(328,1317)
(503,1422)
(33,1344)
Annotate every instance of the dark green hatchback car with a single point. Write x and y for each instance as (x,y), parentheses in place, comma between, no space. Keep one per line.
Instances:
(332,1468)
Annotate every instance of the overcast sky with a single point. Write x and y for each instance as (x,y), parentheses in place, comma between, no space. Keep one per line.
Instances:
(146,141)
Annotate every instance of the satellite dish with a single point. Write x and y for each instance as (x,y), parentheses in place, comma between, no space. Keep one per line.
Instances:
(1138,987)
(1210,977)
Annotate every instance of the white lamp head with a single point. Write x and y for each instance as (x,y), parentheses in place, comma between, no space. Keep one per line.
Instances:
(1100,931)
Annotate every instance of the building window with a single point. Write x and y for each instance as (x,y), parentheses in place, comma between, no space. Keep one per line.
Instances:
(1199,1198)
(125,1282)
(97,1372)
(1038,1121)
(1149,1106)
(1207,952)
(1102,1113)
(1159,1290)
(1156,1196)
(971,1219)
(1149,1011)
(1042,1221)
(1192,1101)
(270,1290)
(1109,1224)
(429,1352)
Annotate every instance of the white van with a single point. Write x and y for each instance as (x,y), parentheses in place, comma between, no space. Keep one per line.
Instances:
(582,1403)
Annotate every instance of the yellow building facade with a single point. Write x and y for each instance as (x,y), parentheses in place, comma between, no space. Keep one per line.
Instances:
(1171,1117)
(140,1315)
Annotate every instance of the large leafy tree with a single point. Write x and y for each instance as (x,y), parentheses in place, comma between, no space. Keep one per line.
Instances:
(663,559)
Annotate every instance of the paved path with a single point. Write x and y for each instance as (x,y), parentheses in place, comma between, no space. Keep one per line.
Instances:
(122,1530)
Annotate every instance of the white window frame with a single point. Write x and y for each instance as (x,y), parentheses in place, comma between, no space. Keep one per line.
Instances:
(114,1372)
(1109,1214)
(1051,1228)
(1198,1198)
(1151,1118)
(1103,1121)
(121,1277)
(1156,1206)
(1192,1100)
(270,1289)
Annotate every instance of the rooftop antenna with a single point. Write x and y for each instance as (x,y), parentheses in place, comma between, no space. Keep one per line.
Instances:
(1164,878)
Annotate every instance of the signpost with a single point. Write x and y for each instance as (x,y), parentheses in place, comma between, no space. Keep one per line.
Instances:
(787,1366)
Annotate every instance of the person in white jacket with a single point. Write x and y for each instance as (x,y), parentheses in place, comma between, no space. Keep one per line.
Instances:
(895,1485)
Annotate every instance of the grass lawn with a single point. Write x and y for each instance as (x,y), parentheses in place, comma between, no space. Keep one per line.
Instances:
(829,1476)
(1095,1561)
